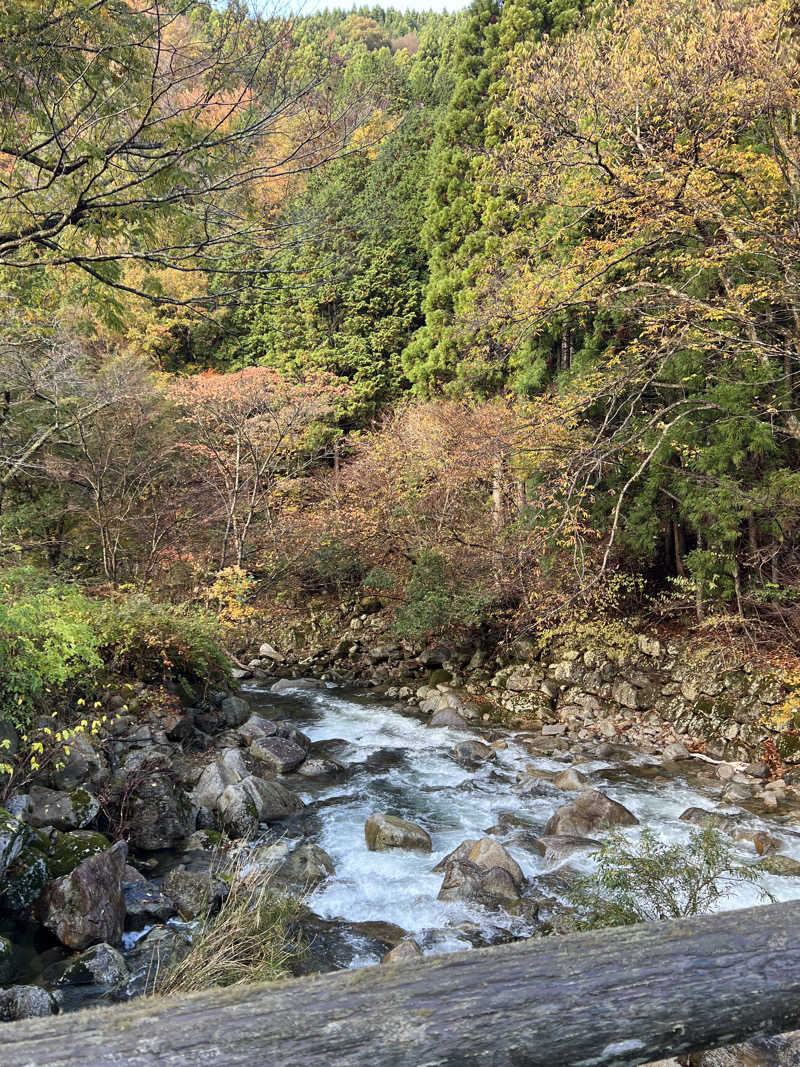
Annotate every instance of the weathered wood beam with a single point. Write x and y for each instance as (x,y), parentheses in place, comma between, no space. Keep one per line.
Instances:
(619,997)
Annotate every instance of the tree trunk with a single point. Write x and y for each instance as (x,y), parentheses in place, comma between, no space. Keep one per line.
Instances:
(618,997)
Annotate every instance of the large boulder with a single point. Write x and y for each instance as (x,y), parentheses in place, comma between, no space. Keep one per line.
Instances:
(229,769)
(279,754)
(65,811)
(6,960)
(448,717)
(489,853)
(305,867)
(589,812)
(88,905)
(467,882)
(67,850)
(25,879)
(383,832)
(461,852)
(145,904)
(243,806)
(256,727)
(154,953)
(26,1002)
(100,966)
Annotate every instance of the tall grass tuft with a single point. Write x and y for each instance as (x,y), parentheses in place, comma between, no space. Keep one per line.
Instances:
(252,938)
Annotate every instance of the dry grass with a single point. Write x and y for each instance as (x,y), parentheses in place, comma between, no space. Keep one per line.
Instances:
(252,938)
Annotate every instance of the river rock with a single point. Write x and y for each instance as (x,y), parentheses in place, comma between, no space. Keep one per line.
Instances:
(229,769)
(474,752)
(314,767)
(24,880)
(26,1002)
(280,755)
(406,952)
(727,822)
(257,727)
(65,811)
(762,842)
(383,832)
(305,867)
(783,866)
(195,893)
(83,765)
(242,807)
(676,751)
(450,718)
(558,847)
(67,850)
(570,780)
(161,813)
(101,965)
(591,810)
(145,904)
(466,881)
(487,853)
(88,905)
(286,685)
(461,852)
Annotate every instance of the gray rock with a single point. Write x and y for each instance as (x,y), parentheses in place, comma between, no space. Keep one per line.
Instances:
(630,696)
(727,822)
(320,768)
(280,755)
(83,765)
(487,853)
(161,813)
(782,866)
(65,811)
(233,712)
(305,867)
(257,727)
(383,832)
(252,801)
(558,847)
(102,965)
(588,812)
(676,751)
(286,685)
(474,752)
(229,769)
(26,1002)
(145,904)
(570,780)
(12,838)
(465,881)
(448,717)
(461,852)
(154,953)
(87,906)
(195,893)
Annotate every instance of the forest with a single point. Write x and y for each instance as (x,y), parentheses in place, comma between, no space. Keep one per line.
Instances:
(492,314)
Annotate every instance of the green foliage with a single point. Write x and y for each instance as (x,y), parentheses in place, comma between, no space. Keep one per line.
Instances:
(435,603)
(48,643)
(59,646)
(658,880)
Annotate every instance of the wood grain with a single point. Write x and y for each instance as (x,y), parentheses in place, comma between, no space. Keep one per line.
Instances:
(619,997)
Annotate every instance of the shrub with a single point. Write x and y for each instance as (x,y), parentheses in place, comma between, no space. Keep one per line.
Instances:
(146,640)
(335,567)
(659,880)
(59,647)
(49,643)
(434,602)
(248,940)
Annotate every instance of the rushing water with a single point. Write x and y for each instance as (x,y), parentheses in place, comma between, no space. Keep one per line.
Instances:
(397,765)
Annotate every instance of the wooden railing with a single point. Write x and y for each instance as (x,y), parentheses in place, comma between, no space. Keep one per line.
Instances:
(620,997)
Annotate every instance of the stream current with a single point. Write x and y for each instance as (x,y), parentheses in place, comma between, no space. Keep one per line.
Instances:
(397,765)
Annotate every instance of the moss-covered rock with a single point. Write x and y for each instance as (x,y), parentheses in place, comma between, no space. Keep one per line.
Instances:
(69,849)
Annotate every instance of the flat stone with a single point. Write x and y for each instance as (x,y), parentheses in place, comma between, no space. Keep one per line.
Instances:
(281,755)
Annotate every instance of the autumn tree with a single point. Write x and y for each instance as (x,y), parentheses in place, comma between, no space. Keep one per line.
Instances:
(656,153)
(245,434)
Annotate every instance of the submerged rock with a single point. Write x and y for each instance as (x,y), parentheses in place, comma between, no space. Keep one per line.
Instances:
(388,831)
